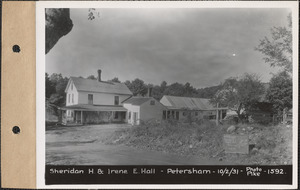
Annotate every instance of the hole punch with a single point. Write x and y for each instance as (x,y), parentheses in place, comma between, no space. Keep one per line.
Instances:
(16,130)
(16,49)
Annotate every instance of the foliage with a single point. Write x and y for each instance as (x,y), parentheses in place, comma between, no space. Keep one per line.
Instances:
(273,144)
(115,79)
(137,87)
(181,138)
(55,91)
(280,92)
(208,92)
(92,77)
(50,88)
(278,49)
(239,94)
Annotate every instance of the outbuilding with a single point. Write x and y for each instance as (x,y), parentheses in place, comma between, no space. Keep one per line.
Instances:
(188,108)
(143,109)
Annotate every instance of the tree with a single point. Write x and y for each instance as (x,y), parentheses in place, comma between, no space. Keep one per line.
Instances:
(175,89)
(156,92)
(239,94)
(208,92)
(55,90)
(280,92)
(50,88)
(163,86)
(58,24)
(278,49)
(137,87)
(92,77)
(189,90)
(115,79)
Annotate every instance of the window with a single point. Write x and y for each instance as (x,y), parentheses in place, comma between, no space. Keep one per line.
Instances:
(183,113)
(72,98)
(116,115)
(196,113)
(129,115)
(152,102)
(69,98)
(90,98)
(116,100)
(71,86)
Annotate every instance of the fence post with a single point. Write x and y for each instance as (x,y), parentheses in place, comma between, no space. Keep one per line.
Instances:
(284,116)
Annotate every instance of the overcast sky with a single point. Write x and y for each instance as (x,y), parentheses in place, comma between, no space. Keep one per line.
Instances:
(199,46)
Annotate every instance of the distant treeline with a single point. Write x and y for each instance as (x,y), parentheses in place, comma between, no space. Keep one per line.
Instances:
(56,85)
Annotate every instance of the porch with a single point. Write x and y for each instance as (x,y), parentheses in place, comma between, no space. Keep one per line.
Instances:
(92,114)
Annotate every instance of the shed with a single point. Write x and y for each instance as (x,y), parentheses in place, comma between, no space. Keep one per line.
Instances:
(190,108)
(143,109)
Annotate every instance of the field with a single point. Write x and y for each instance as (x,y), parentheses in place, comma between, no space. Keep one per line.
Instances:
(269,145)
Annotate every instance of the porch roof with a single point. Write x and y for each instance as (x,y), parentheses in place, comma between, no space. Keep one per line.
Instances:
(87,107)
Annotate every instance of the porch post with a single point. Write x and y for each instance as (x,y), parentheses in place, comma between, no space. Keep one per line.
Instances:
(217,116)
(81,117)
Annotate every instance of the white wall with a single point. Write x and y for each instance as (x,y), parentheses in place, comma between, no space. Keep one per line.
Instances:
(132,108)
(71,92)
(100,98)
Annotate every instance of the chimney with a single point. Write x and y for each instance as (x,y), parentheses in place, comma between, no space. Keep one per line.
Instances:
(149,91)
(99,75)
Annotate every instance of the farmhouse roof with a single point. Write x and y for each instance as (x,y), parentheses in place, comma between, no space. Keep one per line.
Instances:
(137,100)
(88,107)
(90,85)
(176,102)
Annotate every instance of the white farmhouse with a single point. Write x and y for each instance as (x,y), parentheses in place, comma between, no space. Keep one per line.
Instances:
(91,101)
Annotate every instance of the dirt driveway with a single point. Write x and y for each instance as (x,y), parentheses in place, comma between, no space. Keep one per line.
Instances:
(83,145)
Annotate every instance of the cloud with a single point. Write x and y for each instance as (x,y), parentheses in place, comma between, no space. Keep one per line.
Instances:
(175,45)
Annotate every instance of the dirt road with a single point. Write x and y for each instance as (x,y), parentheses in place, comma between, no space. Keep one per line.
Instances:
(83,145)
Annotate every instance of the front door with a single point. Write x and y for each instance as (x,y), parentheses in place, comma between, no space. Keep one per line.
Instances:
(134,118)
(90,99)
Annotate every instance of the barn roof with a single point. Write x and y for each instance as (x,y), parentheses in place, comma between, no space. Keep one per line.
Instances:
(176,102)
(90,85)
(137,100)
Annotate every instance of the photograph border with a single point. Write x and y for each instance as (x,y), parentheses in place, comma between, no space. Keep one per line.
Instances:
(40,82)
